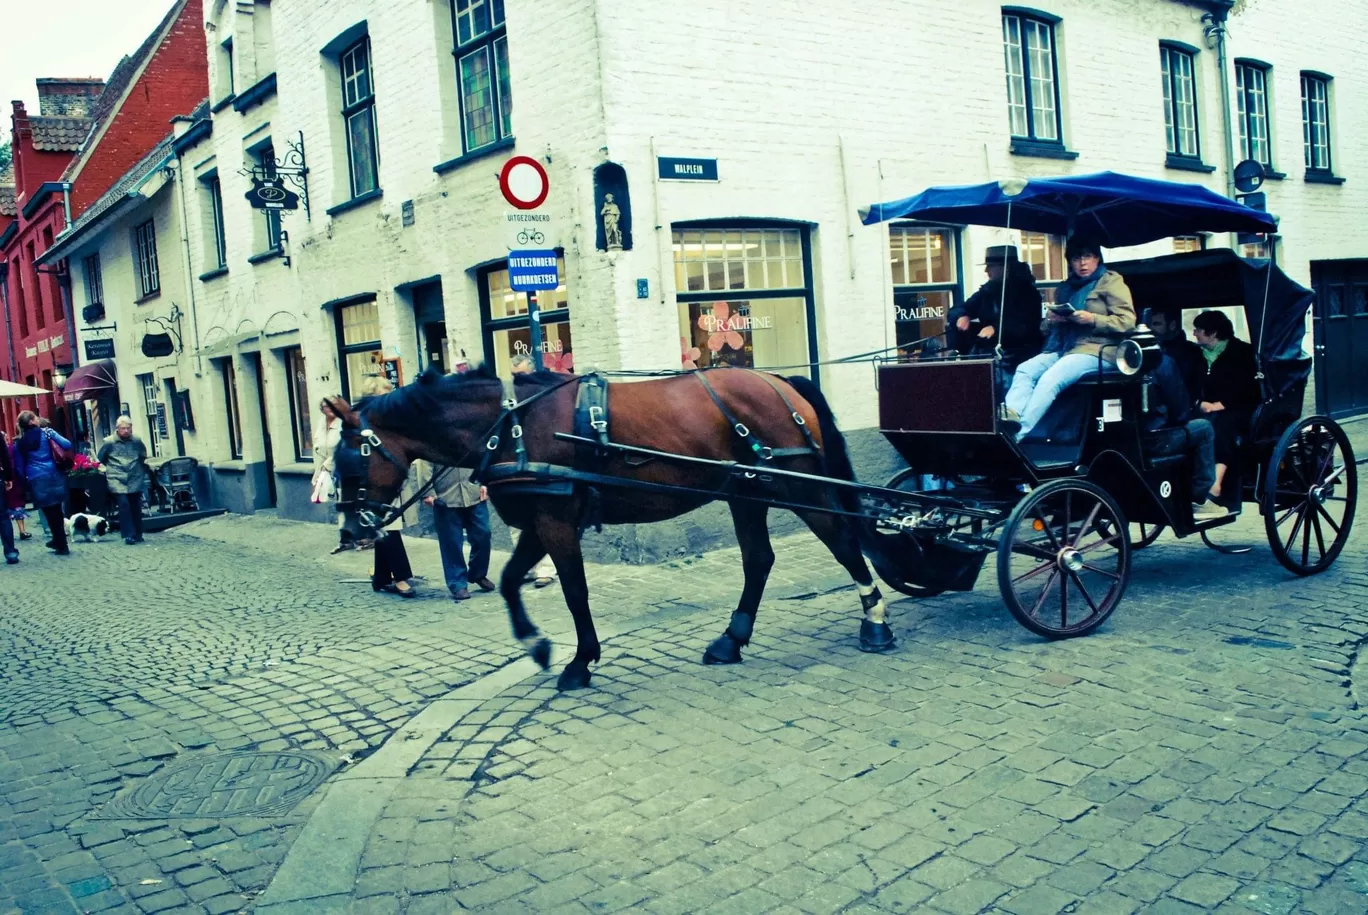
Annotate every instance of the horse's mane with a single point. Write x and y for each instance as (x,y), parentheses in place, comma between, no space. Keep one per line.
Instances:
(418,403)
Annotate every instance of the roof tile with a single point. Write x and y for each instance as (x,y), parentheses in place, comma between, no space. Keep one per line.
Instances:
(59,134)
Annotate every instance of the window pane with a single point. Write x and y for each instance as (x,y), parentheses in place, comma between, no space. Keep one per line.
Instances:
(477,99)
(360,323)
(557,350)
(715,259)
(1167,68)
(356,85)
(1183,115)
(361,137)
(917,315)
(1045,255)
(498,14)
(1040,48)
(505,91)
(1016,79)
(361,366)
(1316,122)
(299,401)
(752,334)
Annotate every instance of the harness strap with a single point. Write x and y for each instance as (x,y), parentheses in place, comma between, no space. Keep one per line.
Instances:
(797,417)
(761,450)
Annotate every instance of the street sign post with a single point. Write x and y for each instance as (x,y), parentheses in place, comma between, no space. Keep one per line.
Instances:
(532,256)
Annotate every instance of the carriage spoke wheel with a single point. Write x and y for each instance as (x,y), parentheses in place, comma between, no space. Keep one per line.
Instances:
(905,480)
(1142,535)
(1064,559)
(1310,494)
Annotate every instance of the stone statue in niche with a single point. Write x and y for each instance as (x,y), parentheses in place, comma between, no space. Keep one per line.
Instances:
(612,233)
(612,208)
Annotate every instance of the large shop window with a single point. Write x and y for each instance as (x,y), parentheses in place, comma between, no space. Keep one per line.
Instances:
(507,338)
(482,72)
(301,417)
(744,296)
(358,344)
(234,415)
(925,282)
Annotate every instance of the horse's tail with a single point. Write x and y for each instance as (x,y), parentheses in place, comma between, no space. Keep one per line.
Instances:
(835,455)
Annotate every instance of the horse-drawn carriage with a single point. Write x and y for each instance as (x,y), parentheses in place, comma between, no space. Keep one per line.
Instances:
(559,453)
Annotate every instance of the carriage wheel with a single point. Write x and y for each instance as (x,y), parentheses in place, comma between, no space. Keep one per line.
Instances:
(906,480)
(1142,534)
(1310,493)
(1064,559)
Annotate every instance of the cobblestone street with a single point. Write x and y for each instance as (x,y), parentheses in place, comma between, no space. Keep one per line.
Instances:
(1203,751)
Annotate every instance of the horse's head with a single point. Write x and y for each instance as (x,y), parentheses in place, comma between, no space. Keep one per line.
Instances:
(443,419)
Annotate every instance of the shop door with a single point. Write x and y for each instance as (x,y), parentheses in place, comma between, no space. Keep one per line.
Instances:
(265,431)
(1340,320)
(173,400)
(429,315)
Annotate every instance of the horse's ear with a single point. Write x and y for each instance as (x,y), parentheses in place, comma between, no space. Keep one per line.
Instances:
(344,412)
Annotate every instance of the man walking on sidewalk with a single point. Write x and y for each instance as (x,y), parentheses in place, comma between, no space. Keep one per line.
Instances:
(124,457)
(460,511)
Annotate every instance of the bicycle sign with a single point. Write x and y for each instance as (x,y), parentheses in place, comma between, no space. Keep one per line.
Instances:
(526,230)
(530,237)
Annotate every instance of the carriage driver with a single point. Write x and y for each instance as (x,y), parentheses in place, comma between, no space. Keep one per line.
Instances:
(1170,429)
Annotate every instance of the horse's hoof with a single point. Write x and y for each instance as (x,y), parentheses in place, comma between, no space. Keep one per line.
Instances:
(575,676)
(541,653)
(723,650)
(876,637)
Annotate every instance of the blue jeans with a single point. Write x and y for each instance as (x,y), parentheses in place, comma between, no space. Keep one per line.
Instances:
(454,525)
(1040,379)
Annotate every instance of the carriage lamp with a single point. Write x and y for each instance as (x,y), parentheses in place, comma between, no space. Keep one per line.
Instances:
(59,376)
(1139,353)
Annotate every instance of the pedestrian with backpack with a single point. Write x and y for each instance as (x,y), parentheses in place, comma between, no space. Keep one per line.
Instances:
(43,459)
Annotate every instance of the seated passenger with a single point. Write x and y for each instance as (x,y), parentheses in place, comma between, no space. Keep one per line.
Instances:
(1093,310)
(993,317)
(1170,429)
(1167,325)
(1230,389)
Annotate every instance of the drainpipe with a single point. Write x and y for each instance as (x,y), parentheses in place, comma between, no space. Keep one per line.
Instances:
(1216,28)
(190,280)
(66,202)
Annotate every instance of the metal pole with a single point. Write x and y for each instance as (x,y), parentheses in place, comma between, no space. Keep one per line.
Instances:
(534,331)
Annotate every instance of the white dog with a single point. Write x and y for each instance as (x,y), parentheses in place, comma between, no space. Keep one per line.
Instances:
(87,527)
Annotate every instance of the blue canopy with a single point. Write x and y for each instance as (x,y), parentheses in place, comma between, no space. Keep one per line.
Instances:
(1112,209)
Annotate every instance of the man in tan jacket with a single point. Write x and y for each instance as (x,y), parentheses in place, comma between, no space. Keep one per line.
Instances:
(460,512)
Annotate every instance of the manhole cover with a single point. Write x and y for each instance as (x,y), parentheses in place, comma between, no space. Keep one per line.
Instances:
(222,785)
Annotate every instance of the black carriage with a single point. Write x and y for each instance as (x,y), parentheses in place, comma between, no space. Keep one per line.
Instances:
(1065,508)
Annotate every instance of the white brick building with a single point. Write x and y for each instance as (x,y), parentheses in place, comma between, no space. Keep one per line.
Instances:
(806,115)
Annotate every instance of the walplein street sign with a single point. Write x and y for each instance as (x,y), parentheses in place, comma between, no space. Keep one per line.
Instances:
(673,169)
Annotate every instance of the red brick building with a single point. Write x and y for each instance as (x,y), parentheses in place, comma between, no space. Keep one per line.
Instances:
(108,128)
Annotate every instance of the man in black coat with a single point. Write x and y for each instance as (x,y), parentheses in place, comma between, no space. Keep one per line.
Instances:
(1167,325)
(989,319)
(10,479)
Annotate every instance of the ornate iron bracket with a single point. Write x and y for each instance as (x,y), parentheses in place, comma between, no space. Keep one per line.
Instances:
(293,168)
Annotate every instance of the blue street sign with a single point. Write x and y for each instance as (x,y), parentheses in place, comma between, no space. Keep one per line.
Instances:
(676,169)
(529,271)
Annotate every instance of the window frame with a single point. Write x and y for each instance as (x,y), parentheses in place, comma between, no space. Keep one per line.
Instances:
(491,42)
(214,187)
(806,292)
(1309,78)
(301,419)
(361,105)
(1169,52)
(94,279)
(264,153)
(1243,115)
(1049,22)
(147,383)
(234,413)
(954,286)
(1024,248)
(146,268)
(345,349)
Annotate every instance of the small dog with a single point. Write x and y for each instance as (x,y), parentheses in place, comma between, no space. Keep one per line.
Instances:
(87,527)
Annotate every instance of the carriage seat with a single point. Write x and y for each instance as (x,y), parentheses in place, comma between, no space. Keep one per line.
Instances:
(1057,440)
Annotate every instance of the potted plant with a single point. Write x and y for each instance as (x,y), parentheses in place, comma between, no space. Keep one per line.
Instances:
(86,485)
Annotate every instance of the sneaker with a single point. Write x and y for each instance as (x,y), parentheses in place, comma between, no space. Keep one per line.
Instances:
(1007,414)
(1208,511)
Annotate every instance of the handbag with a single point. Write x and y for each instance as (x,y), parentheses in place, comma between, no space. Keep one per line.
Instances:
(322,489)
(64,459)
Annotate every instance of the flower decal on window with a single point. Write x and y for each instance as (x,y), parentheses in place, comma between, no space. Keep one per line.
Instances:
(563,361)
(689,355)
(720,325)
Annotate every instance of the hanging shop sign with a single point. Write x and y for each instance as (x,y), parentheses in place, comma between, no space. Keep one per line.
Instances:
(96,350)
(271,194)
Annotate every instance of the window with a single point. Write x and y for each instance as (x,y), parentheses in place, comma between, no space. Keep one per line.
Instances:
(1045,256)
(744,297)
(1032,88)
(1315,100)
(506,333)
(227,78)
(269,234)
(1180,103)
(1255,250)
(94,281)
(148,385)
(214,194)
(358,115)
(54,294)
(1251,102)
(358,338)
(35,288)
(230,399)
(482,72)
(1184,244)
(925,282)
(300,410)
(145,259)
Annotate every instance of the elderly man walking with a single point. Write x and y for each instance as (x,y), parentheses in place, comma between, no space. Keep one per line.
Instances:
(124,457)
(460,511)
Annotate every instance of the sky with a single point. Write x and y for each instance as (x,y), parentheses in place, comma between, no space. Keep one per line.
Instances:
(66,38)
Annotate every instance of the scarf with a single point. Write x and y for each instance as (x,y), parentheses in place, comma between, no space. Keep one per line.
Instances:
(1074,290)
(1214,351)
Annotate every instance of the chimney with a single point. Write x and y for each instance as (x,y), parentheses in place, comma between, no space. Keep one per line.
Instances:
(68,98)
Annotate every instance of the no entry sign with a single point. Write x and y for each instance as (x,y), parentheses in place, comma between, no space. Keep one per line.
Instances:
(524,183)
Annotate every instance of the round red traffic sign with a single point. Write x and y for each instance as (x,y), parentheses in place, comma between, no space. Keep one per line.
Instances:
(524,182)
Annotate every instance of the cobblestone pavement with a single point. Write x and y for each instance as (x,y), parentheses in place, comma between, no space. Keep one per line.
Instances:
(1203,751)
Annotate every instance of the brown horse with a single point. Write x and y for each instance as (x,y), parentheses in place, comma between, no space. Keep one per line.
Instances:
(450,420)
